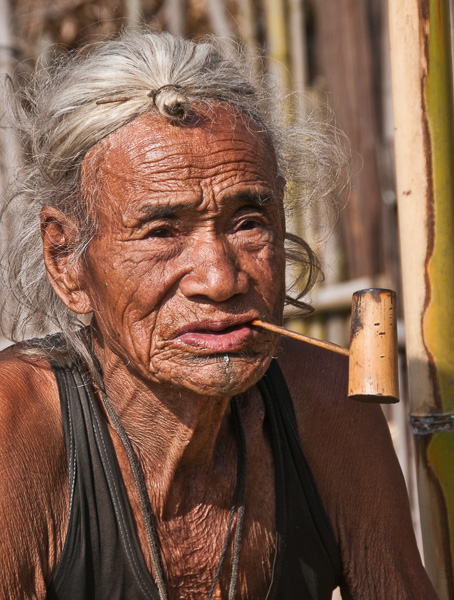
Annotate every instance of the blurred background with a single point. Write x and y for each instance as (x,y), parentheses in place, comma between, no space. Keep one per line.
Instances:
(325,53)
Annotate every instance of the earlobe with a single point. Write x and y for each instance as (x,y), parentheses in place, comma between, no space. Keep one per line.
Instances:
(60,235)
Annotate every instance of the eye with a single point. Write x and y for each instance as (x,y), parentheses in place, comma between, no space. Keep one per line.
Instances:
(159,232)
(248,224)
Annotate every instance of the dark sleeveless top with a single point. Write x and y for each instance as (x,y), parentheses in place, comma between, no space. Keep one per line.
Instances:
(101,557)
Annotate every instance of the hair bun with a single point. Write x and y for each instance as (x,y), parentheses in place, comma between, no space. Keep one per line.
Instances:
(171,101)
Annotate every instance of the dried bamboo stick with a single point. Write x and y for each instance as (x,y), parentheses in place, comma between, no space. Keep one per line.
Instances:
(300,337)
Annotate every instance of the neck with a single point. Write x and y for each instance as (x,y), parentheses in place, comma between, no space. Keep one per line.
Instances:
(171,430)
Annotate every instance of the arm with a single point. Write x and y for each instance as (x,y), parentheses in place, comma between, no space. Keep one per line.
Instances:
(33,480)
(349,449)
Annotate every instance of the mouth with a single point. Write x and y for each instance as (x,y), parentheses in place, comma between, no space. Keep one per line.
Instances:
(217,336)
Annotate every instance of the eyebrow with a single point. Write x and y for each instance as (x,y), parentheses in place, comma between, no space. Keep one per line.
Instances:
(151,212)
(252,198)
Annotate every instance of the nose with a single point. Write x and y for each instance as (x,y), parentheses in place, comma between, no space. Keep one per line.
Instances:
(214,273)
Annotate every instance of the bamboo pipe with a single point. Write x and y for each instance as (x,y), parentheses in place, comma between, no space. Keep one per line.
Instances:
(373,372)
(373,368)
(301,337)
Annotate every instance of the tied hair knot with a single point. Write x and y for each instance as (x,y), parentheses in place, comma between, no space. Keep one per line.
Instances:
(170,101)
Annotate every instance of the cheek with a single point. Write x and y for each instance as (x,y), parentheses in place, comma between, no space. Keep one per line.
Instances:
(267,270)
(120,286)
(124,295)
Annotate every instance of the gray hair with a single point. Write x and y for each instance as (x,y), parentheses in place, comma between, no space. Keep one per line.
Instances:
(83,97)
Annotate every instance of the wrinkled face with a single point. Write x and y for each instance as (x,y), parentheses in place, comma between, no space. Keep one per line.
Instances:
(190,249)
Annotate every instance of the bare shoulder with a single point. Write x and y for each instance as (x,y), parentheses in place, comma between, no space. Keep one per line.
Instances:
(18,369)
(33,475)
(350,452)
(28,396)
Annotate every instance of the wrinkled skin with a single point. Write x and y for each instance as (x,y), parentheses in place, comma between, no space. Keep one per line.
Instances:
(188,251)
(190,238)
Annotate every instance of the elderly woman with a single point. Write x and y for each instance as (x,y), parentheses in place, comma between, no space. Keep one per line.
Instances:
(161,451)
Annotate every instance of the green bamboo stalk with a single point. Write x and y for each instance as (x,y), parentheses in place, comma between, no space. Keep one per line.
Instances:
(424,141)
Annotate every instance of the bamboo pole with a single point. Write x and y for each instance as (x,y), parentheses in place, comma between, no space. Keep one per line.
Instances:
(278,52)
(9,146)
(298,51)
(134,13)
(175,11)
(247,20)
(424,143)
(220,21)
(8,142)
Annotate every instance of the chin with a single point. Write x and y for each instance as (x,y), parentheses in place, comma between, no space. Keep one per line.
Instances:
(221,375)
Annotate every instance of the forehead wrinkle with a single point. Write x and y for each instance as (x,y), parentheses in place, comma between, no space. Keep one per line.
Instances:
(177,151)
(212,157)
(187,179)
(149,157)
(163,172)
(223,121)
(145,142)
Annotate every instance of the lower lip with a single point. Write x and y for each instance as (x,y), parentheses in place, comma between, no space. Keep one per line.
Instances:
(218,341)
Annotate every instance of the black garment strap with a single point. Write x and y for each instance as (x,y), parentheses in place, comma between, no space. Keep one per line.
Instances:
(101,558)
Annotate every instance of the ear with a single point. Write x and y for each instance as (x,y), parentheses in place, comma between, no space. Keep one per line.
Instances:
(60,235)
